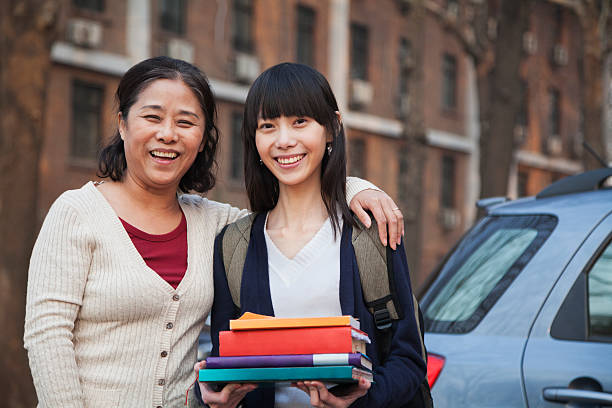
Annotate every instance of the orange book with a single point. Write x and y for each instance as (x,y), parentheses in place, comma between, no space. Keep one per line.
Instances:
(250,321)
(306,340)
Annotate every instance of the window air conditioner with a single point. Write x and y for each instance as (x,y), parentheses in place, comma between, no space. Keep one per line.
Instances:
(449,218)
(246,67)
(361,93)
(560,56)
(530,43)
(179,49)
(84,33)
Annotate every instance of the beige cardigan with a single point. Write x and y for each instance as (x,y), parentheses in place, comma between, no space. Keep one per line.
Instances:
(104,330)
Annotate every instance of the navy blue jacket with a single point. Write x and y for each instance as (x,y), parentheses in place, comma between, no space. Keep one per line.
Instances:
(396,381)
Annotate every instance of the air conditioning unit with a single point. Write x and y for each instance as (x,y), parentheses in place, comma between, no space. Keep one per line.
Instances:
(362,93)
(403,107)
(520,135)
(246,67)
(179,49)
(530,43)
(84,33)
(452,11)
(449,218)
(554,145)
(560,56)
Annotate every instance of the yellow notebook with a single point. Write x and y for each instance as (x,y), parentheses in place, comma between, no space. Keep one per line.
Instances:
(251,321)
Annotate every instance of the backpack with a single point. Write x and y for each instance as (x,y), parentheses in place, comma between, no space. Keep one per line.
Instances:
(377,287)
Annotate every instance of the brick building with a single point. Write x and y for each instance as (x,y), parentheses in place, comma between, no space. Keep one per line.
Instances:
(369,50)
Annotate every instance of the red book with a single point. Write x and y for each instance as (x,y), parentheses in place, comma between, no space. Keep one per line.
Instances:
(307,340)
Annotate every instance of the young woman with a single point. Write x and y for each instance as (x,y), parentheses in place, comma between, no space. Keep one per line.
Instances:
(300,260)
(120,278)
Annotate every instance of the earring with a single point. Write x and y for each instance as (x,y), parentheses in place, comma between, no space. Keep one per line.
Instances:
(260,162)
(329,148)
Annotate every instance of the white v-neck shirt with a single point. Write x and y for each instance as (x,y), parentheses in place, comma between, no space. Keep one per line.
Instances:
(307,285)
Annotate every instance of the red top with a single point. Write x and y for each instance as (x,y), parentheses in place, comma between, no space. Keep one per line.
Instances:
(166,254)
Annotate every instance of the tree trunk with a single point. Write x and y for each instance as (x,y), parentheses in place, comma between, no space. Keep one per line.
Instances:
(502,95)
(592,89)
(28,28)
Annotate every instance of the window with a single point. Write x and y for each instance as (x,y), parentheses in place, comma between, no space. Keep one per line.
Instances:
(237,166)
(404,63)
(95,5)
(449,81)
(522,184)
(402,190)
(305,35)
(447,184)
(172,15)
(359,52)
(481,268)
(600,295)
(86,119)
(523,115)
(554,112)
(357,155)
(242,27)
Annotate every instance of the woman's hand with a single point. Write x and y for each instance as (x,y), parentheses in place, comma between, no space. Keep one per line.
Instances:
(229,397)
(337,397)
(385,211)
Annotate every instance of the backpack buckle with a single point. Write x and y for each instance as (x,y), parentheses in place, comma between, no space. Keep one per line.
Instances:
(382,318)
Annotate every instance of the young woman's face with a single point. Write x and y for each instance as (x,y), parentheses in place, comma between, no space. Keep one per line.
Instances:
(292,148)
(162,134)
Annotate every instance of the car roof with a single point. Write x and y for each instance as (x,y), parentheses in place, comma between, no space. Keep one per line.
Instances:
(583,196)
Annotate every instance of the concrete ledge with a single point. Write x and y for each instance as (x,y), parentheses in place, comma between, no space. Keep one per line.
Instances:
(100,61)
(450,141)
(373,124)
(534,159)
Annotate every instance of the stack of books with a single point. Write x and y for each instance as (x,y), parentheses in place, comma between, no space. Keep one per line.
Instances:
(268,349)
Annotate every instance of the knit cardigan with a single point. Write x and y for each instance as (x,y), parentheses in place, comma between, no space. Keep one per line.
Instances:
(102,329)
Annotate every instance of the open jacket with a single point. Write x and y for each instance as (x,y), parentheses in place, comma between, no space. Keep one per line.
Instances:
(395,382)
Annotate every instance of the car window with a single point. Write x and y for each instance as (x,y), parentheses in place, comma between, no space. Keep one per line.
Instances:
(481,268)
(600,295)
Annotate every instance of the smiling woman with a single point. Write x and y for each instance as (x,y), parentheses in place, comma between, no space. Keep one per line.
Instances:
(120,279)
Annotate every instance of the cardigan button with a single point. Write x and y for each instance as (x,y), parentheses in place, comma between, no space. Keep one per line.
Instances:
(161,382)
(169,326)
(164,353)
(176,298)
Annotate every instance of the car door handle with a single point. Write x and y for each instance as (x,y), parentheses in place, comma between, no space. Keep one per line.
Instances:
(578,396)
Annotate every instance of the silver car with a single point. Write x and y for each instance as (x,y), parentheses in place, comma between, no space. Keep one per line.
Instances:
(520,312)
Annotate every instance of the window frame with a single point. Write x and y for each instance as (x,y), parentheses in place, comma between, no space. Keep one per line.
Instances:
(180,20)
(236,168)
(449,81)
(305,33)
(360,53)
(242,38)
(77,110)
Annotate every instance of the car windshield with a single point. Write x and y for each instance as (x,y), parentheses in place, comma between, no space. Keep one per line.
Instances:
(481,268)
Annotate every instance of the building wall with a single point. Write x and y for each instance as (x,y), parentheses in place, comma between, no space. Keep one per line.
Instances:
(132,31)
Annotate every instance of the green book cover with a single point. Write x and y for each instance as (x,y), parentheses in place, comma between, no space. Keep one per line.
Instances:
(337,374)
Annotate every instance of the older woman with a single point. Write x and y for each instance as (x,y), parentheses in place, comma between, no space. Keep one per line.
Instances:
(120,278)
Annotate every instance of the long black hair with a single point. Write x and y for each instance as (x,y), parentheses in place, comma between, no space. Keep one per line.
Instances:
(201,175)
(290,89)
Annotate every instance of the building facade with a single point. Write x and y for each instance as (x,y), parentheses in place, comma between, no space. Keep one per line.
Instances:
(389,69)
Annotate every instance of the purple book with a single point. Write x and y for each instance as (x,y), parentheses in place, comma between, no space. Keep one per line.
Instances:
(291,360)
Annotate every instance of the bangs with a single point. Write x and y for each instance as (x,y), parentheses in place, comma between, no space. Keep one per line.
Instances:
(290,90)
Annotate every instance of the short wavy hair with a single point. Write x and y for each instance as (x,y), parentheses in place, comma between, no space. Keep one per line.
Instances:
(201,175)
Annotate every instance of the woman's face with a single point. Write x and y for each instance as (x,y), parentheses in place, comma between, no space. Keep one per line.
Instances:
(162,134)
(292,148)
